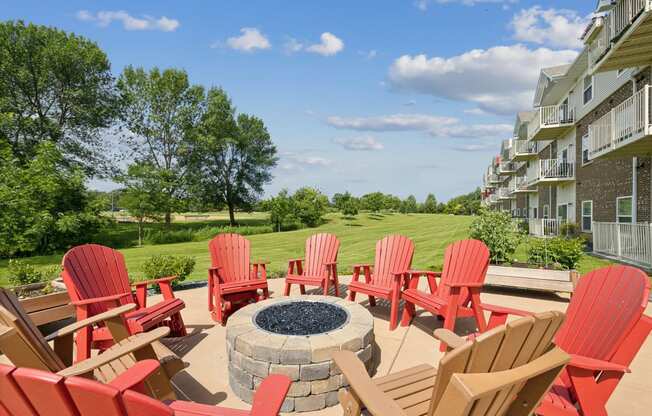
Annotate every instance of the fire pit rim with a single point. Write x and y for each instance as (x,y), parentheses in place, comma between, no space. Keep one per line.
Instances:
(301,299)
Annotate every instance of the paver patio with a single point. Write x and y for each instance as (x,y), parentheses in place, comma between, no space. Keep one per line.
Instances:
(206,379)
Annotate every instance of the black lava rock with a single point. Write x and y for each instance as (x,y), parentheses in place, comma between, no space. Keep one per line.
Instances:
(301,318)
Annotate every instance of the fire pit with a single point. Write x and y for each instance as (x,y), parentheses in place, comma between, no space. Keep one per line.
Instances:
(296,336)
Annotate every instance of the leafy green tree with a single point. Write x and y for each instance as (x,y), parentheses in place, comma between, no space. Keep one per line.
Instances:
(236,155)
(392,203)
(280,208)
(43,206)
(373,202)
(350,208)
(341,200)
(409,205)
(54,86)
(430,205)
(161,112)
(309,206)
(142,195)
(498,232)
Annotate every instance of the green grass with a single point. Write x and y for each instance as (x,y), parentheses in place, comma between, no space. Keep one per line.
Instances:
(431,234)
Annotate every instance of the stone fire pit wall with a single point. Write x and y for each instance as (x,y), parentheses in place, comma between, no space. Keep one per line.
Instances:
(255,353)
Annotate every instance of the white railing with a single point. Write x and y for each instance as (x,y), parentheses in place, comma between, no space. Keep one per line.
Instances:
(523,148)
(554,169)
(504,193)
(493,199)
(627,242)
(623,14)
(627,122)
(519,183)
(540,227)
(551,116)
(506,167)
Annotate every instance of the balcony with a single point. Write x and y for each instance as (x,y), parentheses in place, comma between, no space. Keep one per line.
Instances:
(543,227)
(507,168)
(504,194)
(520,185)
(494,179)
(523,150)
(625,130)
(626,41)
(553,170)
(493,199)
(551,122)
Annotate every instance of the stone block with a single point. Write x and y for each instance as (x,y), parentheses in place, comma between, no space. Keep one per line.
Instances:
(334,369)
(296,350)
(366,354)
(241,377)
(289,370)
(332,383)
(233,332)
(288,405)
(332,398)
(246,343)
(269,348)
(310,403)
(245,394)
(255,367)
(322,348)
(317,371)
(299,389)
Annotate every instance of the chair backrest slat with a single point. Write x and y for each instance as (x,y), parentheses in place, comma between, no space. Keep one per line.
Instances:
(465,262)
(45,391)
(393,254)
(605,307)
(320,250)
(93,271)
(231,253)
(24,345)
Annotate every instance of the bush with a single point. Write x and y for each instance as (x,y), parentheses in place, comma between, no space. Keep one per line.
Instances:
(162,265)
(167,237)
(497,231)
(567,252)
(206,233)
(350,209)
(21,273)
(569,229)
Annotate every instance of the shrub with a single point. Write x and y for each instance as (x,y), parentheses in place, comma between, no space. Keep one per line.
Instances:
(569,229)
(163,265)
(497,231)
(566,252)
(206,233)
(167,236)
(350,209)
(21,273)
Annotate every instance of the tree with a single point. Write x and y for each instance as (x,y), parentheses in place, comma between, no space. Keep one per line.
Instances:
(309,206)
(409,205)
(142,194)
(161,113)
(236,155)
(373,202)
(341,200)
(280,208)
(56,87)
(392,202)
(350,208)
(430,205)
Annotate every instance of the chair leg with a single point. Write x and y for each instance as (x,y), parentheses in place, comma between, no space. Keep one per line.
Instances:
(302,289)
(395,300)
(218,313)
(266,293)
(288,287)
(83,343)
(210,294)
(408,313)
(325,286)
(337,286)
(179,328)
(449,320)
(372,301)
(351,295)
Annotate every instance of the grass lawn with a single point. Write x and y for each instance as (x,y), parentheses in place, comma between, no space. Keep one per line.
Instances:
(431,234)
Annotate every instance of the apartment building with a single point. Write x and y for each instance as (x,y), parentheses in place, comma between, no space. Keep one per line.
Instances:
(583,154)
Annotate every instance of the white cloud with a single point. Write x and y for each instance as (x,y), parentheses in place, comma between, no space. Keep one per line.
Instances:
(410,103)
(475,112)
(329,45)
(499,80)
(435,126)
(105,18)
(292,161)
(364,143)
(424,4)
(292,46)
(475,147)
(250,40)
(553,27)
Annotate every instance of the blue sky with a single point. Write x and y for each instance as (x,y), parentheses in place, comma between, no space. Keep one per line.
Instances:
(405,97)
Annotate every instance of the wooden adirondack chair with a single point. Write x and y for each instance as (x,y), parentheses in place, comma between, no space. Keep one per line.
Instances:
(319,268)
(232,279)
(604,329)
(97,280)
(458,292)
(505,371)
(388,276)
(24,345)
(29,392)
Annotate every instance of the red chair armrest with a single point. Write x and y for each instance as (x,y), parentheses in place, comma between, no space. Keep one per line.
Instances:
(269,397)
(593,364)
(295,260)
(103,299)
(155,281)
(133,378)
(261,262)
(360,266)
(331,263)
(419,273)
(504,311)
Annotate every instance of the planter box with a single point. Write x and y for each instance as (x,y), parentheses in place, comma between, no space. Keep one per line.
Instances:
(543,280)
(45,309)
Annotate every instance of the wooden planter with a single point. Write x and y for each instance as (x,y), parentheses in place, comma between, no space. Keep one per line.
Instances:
(543,280)
(48,308)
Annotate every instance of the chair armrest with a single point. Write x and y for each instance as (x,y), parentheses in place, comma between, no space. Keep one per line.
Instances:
(74,327)
(155,281)
(261,262)
(449,338)
(135,375)
(126,347)
(504,311)
(269,397)
(424,273)
(330,263)
(295,260)
(594,364)
(374,399)
(103,299)
(362,265)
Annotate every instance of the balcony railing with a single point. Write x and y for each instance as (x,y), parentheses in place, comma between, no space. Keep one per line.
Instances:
(623,14)
(550,116)
(627,242)
(507,168)
(553,170)
(504,193)
(523,148)
(624,124)
(520,184)
(540,227)
(601,44)
(493,199)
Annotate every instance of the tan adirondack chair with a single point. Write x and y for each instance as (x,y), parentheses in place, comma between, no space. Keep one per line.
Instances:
(505,371)
(25,346)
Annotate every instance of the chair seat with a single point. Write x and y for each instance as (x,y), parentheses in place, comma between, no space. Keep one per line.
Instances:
(424,299)
(183,408)
(371,289)
(302,278)
(558,402)
(242,286)
(411,388)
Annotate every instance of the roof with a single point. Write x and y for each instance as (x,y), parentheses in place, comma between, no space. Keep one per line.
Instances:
(556,71)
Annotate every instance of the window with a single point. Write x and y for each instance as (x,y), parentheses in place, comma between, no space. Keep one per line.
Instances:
(587,216)
(535,212)
(585,149)
(588,89)
(562,212)
(624,209)
(546,211)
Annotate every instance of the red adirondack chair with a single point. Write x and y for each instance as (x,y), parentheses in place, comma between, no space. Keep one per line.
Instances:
(29,392)
(232,280)
(319,268)
(604,329)
(96,279)
(388,276)
(458,292)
